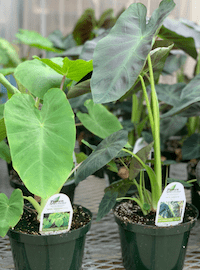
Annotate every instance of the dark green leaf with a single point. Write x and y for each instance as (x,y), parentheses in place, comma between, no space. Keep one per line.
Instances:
(173,63)
(184,183)
(189,95)
(5,151)
(169,126)
(191,147)
(180,34)
(107,203)
(135,165)
(83,28)
(79,89)
(121,55)
(107,19)
(104,153)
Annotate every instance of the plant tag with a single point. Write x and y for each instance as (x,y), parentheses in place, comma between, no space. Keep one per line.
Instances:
(171,206)
(57,214)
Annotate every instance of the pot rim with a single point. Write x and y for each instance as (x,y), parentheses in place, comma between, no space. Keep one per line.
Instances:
(51,239)
(155,230)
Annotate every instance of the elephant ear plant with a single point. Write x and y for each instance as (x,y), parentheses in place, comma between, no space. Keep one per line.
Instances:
(41,132)
(119,70)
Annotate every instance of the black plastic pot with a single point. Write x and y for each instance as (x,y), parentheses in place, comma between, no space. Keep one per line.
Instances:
(146,247)
(49,252)
(68,188)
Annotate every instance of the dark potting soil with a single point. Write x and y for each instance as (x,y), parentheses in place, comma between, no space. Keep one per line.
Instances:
(30,225)
(129,212)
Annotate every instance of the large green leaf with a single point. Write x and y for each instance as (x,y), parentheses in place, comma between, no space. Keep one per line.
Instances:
(41,142)
(72,69)
(121,55)
(8,55)
(104,153)
(37,77)
(34,39)
(189,95)
(10,210)
(191,147)
(99,120)
(158,58)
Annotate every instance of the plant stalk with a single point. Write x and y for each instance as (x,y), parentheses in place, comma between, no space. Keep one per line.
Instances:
(156,128)
(13,90)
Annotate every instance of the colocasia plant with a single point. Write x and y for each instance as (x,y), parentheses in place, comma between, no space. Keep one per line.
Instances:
(41,132)
(127,60)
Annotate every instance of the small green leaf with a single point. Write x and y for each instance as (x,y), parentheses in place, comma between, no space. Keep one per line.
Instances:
(5,151)
(10,210)
(72,69)
(99,120)
(34,39)
(107,203)
(135,165)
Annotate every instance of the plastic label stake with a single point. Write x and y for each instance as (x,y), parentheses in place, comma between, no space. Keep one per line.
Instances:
(57,215)
(171,206)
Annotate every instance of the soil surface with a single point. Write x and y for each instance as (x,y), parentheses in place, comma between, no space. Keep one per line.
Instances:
(30,225)
(129,212)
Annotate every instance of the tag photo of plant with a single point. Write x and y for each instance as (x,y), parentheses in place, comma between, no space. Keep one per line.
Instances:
(56,220)
(172,209)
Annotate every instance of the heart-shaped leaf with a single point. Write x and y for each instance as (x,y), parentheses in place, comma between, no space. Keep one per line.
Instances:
(104,153)
(72,69)
(37,77)
(41,142)
(10,210)
(121,55)
(34,39)
(99,120)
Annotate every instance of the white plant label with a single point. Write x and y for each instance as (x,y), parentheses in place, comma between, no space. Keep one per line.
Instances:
(171,206)
(57,215)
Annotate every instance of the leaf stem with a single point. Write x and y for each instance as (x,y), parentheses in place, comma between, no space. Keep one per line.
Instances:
(156,127)
(62,83)
(13,90)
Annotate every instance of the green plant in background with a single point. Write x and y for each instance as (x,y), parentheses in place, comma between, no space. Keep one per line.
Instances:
(41,132)
(123,64)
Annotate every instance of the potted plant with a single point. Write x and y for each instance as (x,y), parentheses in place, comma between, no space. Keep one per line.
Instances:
(41,131)
(118,62)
